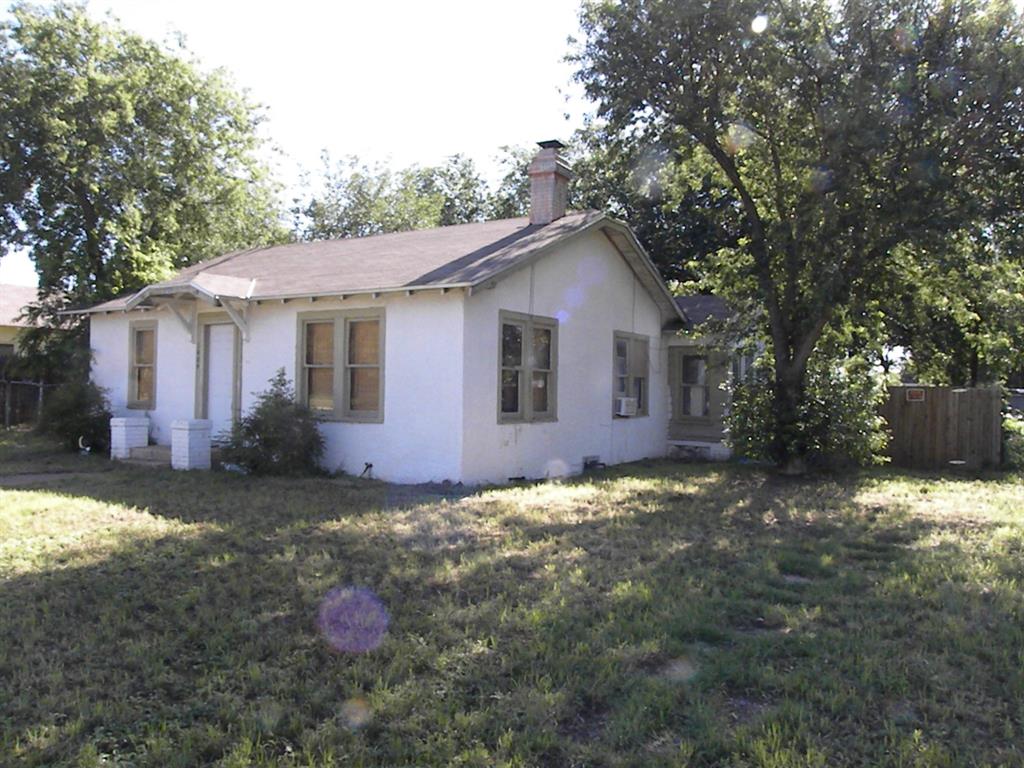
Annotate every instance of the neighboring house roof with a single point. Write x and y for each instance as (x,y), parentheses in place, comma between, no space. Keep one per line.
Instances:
(700,308)
(13,299)
(460,256)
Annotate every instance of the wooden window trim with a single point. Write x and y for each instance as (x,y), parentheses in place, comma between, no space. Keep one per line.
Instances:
(644,408)
(341,318)
(204,321)
(526,415)
(133,402)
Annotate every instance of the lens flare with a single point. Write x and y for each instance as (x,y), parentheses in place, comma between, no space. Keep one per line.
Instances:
(356,713)
(352,619)
(820,180)
(759,24)
(738,137)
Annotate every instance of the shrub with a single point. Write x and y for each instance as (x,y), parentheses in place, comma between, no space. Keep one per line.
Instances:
(78,410)
(839,422)
(278,436)
(1013,441)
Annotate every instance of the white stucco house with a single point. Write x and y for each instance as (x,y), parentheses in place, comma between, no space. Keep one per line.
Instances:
(475,353)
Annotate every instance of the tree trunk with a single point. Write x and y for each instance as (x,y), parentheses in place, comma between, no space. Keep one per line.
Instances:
(790,449)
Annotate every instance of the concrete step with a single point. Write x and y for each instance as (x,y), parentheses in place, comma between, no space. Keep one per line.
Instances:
(151,455)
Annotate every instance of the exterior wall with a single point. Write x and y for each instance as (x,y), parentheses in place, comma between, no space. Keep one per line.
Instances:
(420,438)
(592,292)
(175,367)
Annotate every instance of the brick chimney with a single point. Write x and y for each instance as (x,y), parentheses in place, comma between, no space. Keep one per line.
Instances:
(549,183)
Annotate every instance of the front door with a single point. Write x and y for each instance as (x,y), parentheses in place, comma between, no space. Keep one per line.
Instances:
(220,377)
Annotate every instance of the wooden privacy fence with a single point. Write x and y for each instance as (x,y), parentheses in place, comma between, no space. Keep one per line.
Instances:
(20,401)
(940,427)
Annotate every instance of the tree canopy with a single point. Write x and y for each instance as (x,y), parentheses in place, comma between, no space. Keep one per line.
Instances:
(120,160)
(857,139)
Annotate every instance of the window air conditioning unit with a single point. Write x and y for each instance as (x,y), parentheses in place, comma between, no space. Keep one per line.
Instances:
(625,406)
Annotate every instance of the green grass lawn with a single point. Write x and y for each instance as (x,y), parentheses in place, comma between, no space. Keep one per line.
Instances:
(654,614)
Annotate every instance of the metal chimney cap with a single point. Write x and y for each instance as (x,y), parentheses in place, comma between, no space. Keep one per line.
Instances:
(551,144)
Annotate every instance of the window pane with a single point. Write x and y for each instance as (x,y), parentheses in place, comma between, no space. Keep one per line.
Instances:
(542,348)
(144,347)
(511,345)
(320,344)
(621,385)
(364,389)
(510,391)
(621,357)
(144,384)
(320,388)
(693,369)
(541,392)
(638,357)
(364,342)
(639,385)
(695,401)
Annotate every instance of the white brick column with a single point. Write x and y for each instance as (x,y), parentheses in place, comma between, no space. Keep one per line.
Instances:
(190,444)
(127,432)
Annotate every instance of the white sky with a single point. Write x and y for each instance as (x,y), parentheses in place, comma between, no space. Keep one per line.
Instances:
(390,81)
(400,82)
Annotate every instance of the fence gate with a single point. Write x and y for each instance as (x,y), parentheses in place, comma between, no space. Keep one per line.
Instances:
(936,427)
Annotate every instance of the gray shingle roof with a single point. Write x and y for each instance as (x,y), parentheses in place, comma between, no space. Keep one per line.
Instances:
(460,255)
(13,298)
(463,256)
(699,308)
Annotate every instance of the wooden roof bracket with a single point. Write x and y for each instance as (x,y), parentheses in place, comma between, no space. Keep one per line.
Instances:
(240,317)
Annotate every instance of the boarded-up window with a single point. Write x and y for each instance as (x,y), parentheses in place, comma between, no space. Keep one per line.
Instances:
(142,367)
(527,375)
(630,372)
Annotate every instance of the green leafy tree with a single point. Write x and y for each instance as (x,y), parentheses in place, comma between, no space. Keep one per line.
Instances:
(673,205)
(511,198)
(846,132)
(121,161)
(960,314)
(355,199)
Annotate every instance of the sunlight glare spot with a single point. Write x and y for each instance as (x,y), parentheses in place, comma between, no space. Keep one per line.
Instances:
(738,137)
(556,468)
(356,713)
(759,24)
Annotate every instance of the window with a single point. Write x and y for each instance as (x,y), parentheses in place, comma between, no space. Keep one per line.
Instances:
(528,369)
(341,364)
(630,375)
(694,391)
(742,367)
(142,365)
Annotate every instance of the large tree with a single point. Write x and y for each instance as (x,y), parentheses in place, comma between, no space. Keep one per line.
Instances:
(354,199)
(847,131)
(119,160)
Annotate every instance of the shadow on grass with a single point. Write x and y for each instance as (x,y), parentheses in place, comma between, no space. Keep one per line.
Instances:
(646,616)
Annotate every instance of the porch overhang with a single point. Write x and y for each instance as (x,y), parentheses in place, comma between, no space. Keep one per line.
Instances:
(233,294)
